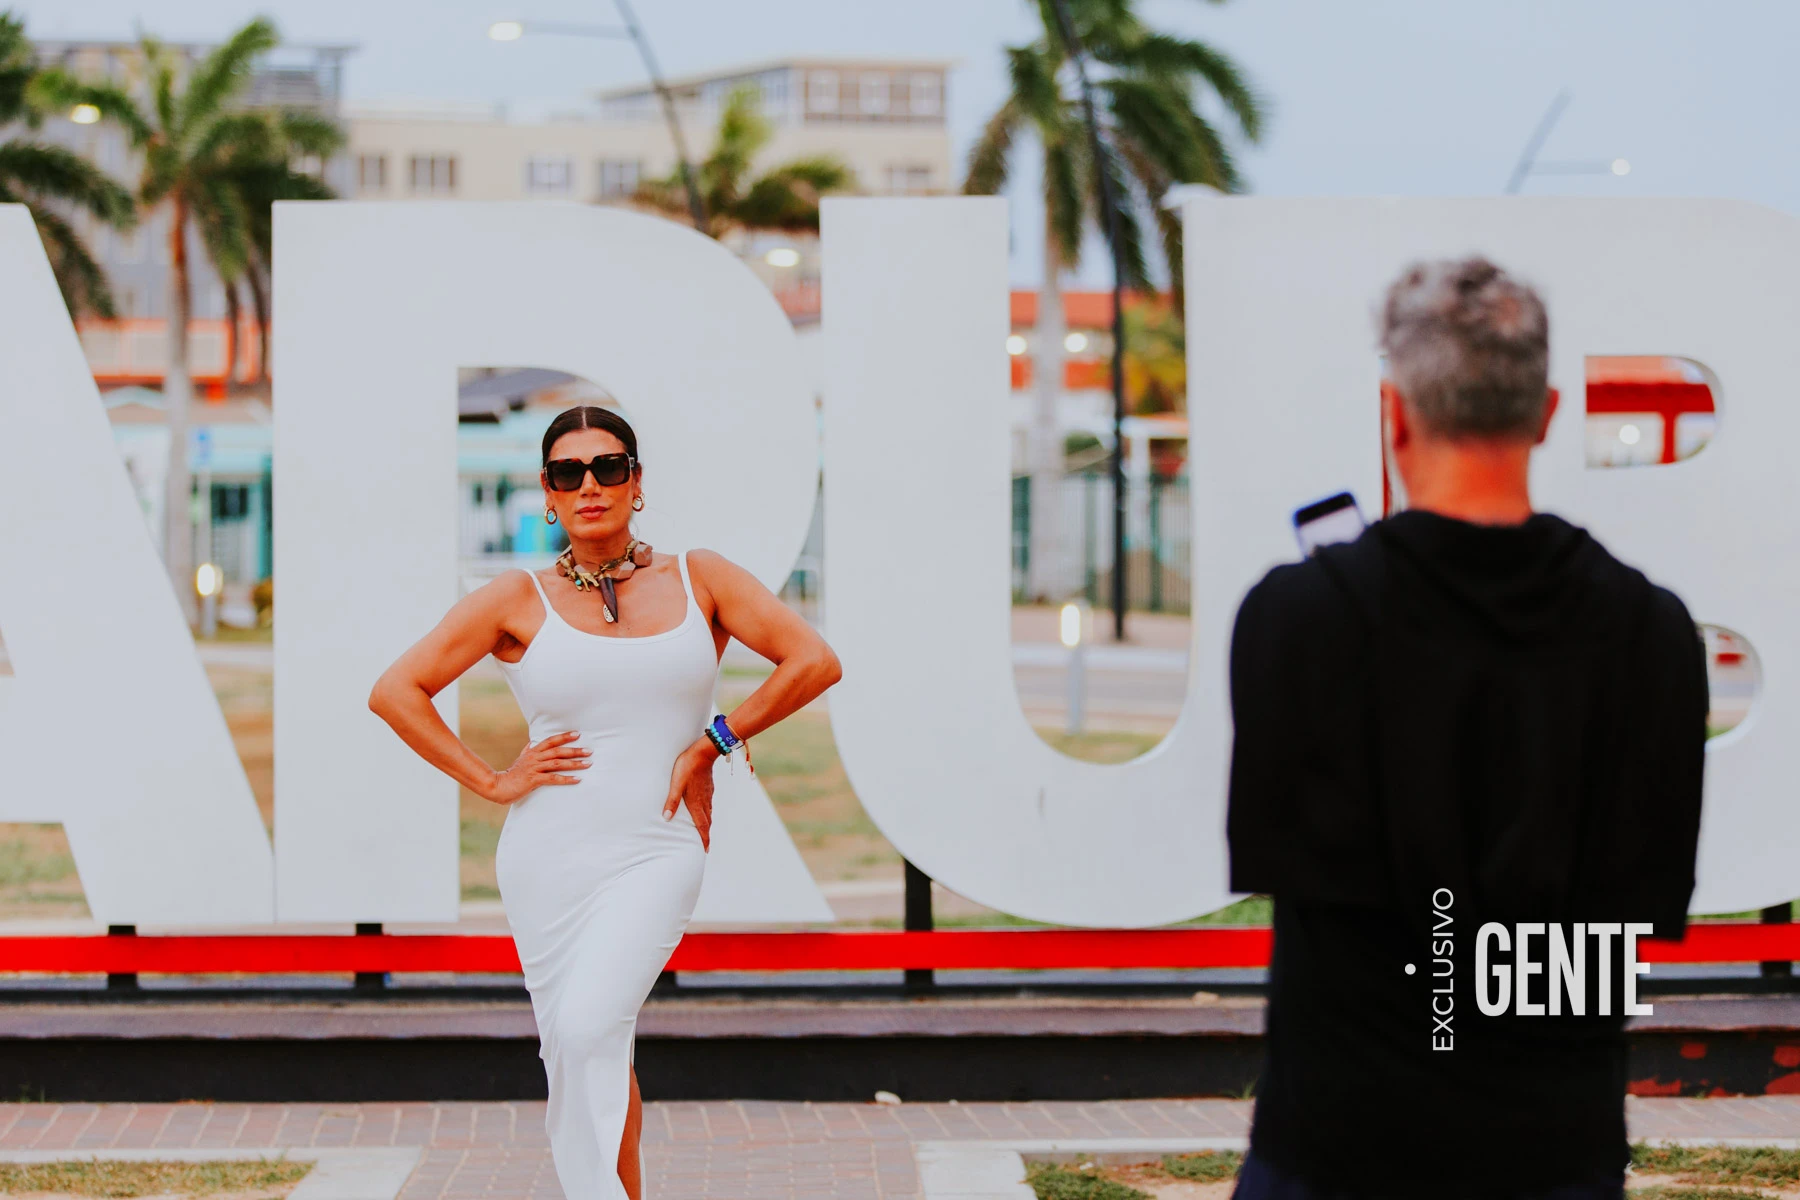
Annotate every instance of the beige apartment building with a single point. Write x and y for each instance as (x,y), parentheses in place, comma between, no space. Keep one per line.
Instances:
(885,119)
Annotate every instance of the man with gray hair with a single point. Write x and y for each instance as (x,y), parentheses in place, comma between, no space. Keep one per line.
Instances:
(1473,713)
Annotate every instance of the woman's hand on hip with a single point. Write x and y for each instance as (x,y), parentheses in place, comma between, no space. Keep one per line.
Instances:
(539,765)
(692,784)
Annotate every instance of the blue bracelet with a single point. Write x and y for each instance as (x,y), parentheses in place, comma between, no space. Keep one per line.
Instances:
(722,737)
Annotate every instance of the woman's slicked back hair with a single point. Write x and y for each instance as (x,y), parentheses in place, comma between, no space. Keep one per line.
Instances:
(590,416)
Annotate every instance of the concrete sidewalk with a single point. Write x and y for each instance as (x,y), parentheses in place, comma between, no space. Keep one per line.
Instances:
(744,1150)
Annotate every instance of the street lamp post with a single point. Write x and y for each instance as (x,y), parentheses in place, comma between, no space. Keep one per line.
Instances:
(1528,164)
(512,31)
(207,581)
(1070,630)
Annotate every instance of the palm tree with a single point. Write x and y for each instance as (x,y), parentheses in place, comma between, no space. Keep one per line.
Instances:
(1148,93)
(784,197)
(49,180)
(204,160)
(238,231)
(259,186)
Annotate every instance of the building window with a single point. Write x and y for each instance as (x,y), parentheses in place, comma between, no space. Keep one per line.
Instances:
(371,172)
(822,92)
(924,95)
(874,95)
(549,176)
(433,174)
(908,179)
(774,86)
(619,177)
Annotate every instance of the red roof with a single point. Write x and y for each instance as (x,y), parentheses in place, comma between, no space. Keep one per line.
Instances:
(1084,310)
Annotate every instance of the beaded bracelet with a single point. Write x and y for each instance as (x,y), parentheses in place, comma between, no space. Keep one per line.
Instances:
(727,743)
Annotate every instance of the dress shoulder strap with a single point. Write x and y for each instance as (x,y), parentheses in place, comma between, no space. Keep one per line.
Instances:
(549,612)
(687,584)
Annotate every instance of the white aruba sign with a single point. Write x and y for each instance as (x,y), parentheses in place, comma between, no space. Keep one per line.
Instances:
(109,726)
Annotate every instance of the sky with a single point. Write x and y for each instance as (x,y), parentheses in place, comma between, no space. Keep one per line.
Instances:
(1370,97)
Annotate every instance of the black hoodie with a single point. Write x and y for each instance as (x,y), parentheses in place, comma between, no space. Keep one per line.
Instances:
(1505,716)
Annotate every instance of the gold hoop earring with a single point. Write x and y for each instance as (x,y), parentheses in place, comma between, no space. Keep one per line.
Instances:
(549,515)
(637,504)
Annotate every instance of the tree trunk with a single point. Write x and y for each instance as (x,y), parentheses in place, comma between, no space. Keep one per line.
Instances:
(1046,580)
(259,301)
(178,525)
(234,313)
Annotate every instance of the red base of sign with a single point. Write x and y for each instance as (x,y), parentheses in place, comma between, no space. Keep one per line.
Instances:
(1090,949)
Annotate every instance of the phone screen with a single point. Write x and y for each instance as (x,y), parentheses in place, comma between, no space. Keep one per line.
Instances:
(1333,519)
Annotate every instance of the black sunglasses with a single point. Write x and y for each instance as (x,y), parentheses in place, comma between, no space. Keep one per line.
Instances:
(610,470)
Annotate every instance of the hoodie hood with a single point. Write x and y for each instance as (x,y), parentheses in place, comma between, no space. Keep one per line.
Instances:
(1541,583)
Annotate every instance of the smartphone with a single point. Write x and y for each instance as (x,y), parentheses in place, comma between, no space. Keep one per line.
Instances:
(1333,519)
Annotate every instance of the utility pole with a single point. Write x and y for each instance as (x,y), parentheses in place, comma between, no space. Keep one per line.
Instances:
(512,31)
(1109,203)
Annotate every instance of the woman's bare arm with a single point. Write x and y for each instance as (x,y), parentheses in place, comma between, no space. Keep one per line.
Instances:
(402,697)
(804,665)
(804,668)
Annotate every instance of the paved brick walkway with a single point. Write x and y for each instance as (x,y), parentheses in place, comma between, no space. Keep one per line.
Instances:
(742,1151)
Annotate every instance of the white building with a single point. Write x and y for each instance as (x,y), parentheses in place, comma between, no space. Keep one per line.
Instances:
(885,119)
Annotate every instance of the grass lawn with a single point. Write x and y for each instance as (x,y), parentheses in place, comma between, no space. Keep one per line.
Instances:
(797,763)
(1658,1173)
(1175,1174)
(254,1180)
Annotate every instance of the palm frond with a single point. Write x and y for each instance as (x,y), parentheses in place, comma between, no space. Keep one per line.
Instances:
(775,203)
(1102,24)
(18,63)
(1155,182)
(1065,200)
(310,133)
(259,186)
(743,132)
(56,89)
(235,135)
(162,173)
(1031,72)
(1160,55)
(47,172)
(219,214)
(787,197)
(1223,166)
(821,172)
(80,279)
(1155,115)
(1052,26)
(221,76)
(1130,248)
(162,83)
(988,157)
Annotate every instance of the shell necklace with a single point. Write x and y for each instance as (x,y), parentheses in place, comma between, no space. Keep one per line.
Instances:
(601,577)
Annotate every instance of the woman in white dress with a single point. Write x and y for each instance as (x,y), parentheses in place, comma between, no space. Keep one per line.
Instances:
(612,655)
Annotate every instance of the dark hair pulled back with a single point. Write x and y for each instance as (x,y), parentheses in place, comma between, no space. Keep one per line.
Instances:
(589,416)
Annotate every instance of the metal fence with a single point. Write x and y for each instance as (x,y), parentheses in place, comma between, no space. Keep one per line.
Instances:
(1158,545)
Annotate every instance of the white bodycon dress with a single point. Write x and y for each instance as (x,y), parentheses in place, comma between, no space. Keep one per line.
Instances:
(597,886)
